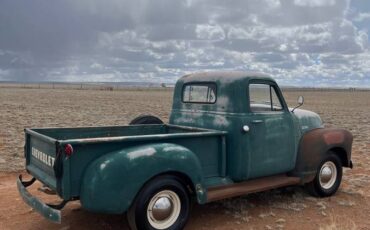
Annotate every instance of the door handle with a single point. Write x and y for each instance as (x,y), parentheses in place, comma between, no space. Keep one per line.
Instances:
(246,128)
(256,121)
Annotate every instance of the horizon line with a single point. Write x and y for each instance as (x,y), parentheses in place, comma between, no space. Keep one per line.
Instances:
(159,84)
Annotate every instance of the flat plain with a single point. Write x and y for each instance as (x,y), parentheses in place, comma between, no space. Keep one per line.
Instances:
(288,208)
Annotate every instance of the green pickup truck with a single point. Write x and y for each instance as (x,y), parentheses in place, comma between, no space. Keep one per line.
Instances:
(229,134)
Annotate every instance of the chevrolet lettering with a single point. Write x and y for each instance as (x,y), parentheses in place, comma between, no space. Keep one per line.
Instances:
(229,134)
(43,157)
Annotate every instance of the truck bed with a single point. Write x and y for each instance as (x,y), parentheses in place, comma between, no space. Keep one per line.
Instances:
(61,134)
(89,143)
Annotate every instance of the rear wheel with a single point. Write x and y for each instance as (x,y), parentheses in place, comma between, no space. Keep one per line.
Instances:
(162,204)
(146,119)
(328,177)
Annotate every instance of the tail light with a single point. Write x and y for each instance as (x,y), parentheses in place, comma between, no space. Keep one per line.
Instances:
(68,150)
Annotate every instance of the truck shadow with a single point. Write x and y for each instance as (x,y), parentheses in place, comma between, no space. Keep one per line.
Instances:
(208,216)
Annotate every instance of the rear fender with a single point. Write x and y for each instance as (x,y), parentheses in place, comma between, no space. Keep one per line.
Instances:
(111,182)
(316,144)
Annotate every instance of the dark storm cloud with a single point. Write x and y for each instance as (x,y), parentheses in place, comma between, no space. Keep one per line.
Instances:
(55,28)
(90,40)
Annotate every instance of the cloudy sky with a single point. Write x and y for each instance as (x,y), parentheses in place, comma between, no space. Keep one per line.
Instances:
(298,42)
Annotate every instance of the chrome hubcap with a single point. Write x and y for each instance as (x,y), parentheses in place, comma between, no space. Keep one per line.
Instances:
(163,209)
(328,175)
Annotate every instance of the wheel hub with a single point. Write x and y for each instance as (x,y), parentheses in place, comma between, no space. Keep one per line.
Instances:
(328,175)
(162,208)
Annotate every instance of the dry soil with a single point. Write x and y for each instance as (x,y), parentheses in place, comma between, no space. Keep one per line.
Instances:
(288,208)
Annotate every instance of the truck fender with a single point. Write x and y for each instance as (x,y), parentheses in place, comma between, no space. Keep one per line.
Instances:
(111,182)
(315,144)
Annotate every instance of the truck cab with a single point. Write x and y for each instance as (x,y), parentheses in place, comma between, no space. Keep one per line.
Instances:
(262,133)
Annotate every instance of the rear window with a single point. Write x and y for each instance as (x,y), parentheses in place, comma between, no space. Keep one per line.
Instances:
(199,93)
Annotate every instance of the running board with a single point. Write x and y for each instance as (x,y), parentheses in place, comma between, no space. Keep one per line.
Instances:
(251,186)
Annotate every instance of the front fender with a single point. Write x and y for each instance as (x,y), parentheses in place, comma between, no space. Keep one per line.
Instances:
(112,181)
(314,146)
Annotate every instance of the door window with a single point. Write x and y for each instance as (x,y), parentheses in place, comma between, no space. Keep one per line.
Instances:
(263,98)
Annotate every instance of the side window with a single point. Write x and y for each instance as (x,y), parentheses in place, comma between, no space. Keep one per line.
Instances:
(276,105)
(263,98)
(199,93)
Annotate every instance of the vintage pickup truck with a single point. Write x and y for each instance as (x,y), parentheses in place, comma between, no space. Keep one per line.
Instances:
(229,134)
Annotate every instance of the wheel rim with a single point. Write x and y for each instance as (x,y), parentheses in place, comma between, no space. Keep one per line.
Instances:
(328,175)
(163,209)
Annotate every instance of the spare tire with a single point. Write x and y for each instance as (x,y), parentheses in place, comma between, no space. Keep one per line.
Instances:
(146,119)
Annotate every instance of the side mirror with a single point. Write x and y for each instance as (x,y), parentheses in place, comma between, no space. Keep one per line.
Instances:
(300,101)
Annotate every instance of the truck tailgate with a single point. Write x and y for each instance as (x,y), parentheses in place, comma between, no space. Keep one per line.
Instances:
(40,153)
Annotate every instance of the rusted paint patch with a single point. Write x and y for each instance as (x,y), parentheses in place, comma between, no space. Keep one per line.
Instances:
(334,137)
(251,186)
(315,145)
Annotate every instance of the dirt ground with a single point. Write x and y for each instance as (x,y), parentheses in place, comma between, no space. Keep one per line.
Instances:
(288,208)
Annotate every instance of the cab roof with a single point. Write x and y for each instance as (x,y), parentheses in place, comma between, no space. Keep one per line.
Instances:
(230,88)
(223,76)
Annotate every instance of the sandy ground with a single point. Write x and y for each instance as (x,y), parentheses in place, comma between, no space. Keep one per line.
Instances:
(289,208)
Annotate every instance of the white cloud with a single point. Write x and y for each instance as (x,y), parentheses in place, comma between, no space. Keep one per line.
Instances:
(314,3)
(274,4)
(283,47)
(210,32)
(362,17)
(96,66)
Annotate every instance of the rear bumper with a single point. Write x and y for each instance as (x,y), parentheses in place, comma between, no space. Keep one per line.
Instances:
(48,211)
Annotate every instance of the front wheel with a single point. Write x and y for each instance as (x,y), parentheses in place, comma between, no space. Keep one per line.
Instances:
(162,204)
(328,177)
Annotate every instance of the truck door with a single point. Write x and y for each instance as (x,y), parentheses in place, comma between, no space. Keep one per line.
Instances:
(269,130)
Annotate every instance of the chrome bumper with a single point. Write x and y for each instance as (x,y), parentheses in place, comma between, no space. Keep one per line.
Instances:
(50,212)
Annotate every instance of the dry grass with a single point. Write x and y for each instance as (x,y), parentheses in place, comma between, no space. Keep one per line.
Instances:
(337,223)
